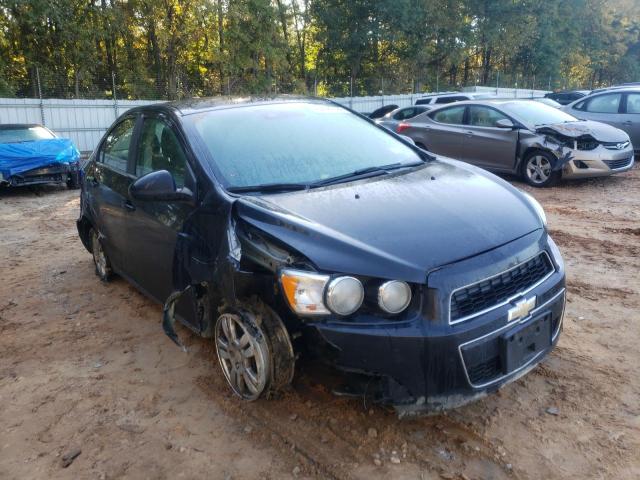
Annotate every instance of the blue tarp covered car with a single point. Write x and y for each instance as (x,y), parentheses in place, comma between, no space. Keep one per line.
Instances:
(32,154)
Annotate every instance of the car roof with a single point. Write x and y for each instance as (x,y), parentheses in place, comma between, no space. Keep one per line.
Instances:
(620,88)
(563,92)
(14,126)
(486,102)
(195,105)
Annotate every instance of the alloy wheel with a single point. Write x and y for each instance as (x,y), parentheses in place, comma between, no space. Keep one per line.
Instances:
(538,169)
(243,358)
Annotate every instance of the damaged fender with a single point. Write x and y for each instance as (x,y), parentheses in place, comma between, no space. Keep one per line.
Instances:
(201,265)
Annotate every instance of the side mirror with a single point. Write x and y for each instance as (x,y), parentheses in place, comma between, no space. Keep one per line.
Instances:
(505,123)
(159,186)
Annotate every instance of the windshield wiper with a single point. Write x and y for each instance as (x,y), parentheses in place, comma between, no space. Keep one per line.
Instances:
(270,187)
(356,174)
(365,173)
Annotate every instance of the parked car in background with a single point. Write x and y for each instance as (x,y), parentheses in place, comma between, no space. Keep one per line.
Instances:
(429,281)
(536,141)
(31,154)
(566,97)
(451,97)
(615,87)
(382,111)
(392,119)
(547,101)
(619,107)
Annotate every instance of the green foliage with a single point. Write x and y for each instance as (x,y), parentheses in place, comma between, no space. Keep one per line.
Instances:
(180,48)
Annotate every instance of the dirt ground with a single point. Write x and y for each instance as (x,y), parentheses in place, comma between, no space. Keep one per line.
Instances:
(85,367)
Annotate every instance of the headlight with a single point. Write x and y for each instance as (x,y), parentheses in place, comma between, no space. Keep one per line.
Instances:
(304,291)
(344,295)
(394,296)
(537,207)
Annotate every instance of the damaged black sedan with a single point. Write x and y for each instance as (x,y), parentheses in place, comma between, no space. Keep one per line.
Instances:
(292,225)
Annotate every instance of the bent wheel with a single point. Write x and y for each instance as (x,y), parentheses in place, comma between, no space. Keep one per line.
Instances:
(243,356)
(100,259)
(254,351)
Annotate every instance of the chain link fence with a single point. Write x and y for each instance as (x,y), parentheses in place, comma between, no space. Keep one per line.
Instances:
(36,82)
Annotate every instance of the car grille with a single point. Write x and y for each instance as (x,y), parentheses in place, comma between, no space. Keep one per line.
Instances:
(614,145)
(492,291)
(615,164)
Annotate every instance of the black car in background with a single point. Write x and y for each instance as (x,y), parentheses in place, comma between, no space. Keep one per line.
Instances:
(566,97)
(291,225)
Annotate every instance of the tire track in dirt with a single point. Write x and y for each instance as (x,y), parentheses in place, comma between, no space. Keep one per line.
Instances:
(332,434)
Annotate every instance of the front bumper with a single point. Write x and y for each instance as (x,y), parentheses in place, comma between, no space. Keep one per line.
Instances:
(56,173)
(426,363)
(598,162)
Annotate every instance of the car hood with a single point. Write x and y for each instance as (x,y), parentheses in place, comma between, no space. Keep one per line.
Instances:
(599,131)
(396,226)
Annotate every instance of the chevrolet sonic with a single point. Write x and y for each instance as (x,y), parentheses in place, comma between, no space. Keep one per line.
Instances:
(291,225)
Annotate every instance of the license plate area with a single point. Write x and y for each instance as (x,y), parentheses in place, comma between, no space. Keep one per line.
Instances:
(522,343)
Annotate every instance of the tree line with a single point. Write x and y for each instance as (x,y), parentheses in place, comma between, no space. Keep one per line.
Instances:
(180,48)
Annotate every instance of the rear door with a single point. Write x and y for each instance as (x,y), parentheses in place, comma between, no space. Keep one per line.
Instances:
(487,145)
(108,184)
(443,133)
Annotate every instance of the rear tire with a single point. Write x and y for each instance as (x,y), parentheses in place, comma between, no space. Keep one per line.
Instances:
(100,259)
(537,169)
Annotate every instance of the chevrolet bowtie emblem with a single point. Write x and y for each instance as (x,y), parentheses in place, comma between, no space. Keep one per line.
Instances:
(521,308)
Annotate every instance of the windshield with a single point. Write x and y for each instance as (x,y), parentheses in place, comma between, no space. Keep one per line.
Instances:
(24,134)
(536,113)
(294,143)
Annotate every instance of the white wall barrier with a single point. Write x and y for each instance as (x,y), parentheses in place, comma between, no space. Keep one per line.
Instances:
(85,121)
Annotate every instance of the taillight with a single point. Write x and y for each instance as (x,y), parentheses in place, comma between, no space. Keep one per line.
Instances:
(402,127)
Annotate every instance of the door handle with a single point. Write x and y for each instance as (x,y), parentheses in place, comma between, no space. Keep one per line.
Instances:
(628,123)
(469,134)
(129,206)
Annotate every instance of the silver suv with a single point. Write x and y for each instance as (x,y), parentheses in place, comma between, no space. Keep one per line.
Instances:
(619,107)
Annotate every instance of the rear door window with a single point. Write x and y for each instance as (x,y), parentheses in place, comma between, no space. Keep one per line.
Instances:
(451,115)
(405,113)
(604,103)
(115,149)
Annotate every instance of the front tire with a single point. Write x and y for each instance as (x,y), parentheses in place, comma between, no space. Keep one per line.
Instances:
(254,351)
(537,169)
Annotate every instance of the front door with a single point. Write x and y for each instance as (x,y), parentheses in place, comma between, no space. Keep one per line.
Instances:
(155,225)
(630,119)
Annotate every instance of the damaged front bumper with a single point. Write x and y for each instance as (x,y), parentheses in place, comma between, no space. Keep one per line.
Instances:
(598,162)
(56,173)
(427,363)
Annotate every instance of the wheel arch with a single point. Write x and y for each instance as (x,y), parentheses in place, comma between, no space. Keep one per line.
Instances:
(84,226)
